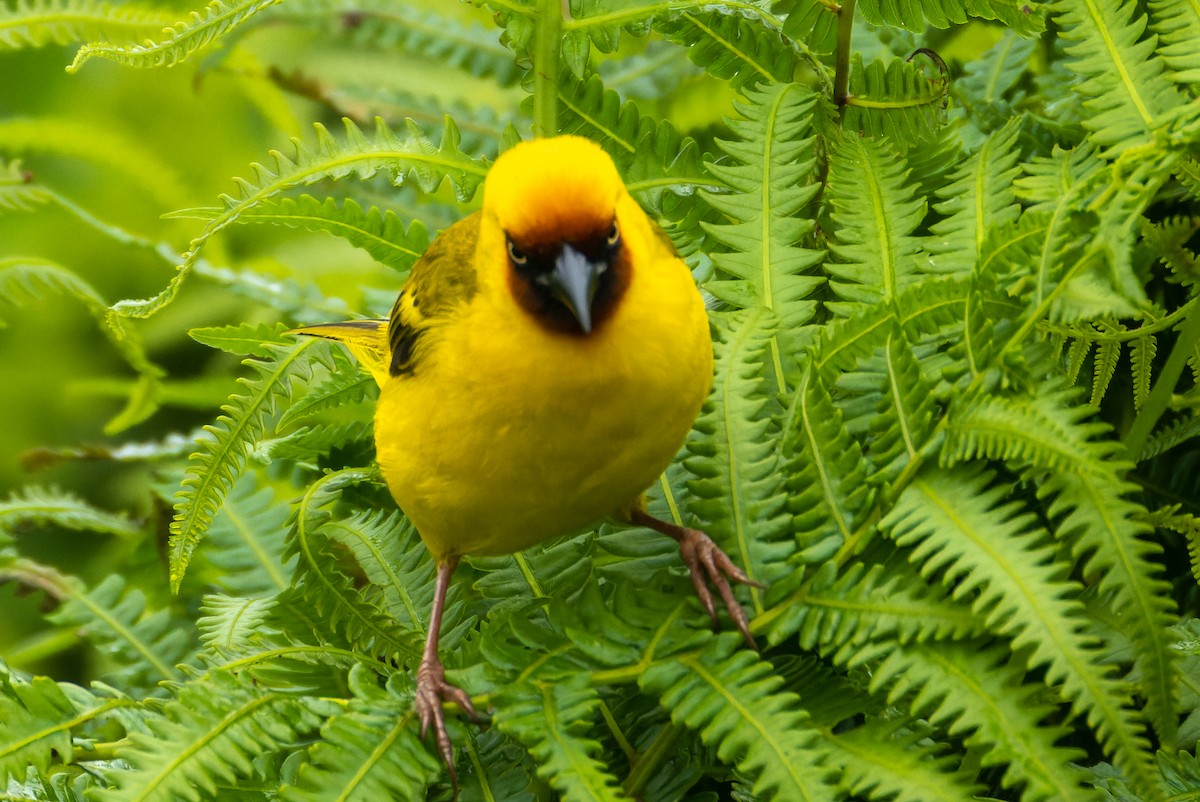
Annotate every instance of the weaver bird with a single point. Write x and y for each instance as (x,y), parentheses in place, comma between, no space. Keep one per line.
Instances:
(540,369)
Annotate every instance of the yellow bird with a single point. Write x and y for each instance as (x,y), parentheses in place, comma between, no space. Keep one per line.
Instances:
(540,369)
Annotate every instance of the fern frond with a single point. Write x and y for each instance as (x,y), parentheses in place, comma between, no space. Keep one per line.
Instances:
(328,593)
(1125,86)
(915,15)
(143,644)
(549,718)
(367,753)
(231,625)
(970,689)
(730,46)
(413,160)
(557,570)
(732,698)
(35,724)
(855,615)
(310,444)
(245,542)
(242,339)
(996,553)
(1107,534)
(379,233)
(1176,433)
(346,386)
(208,736)
(826,472)
(770,176)
(1178,28)
(978,197)
(1168,240)
(41,506)
(907,403)
(213,469)
(987,80)
(897,101)
(885,760)
(737,490)
(874,253)
(182,40)
(1046,430)
(35,23)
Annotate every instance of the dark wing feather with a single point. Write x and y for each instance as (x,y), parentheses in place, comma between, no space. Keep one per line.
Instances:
(442,279)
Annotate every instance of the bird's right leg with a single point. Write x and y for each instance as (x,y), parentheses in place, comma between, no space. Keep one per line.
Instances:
(432,688)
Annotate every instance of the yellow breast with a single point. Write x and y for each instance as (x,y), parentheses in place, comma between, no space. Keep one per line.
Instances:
(508,433)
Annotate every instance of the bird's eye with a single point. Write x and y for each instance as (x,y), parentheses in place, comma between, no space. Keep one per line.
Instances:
(614,235)
(517,255)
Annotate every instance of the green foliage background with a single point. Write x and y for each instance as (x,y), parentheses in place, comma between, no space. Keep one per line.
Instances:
(949,252)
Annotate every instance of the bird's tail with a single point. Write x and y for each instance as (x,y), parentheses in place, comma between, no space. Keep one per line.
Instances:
(366,339)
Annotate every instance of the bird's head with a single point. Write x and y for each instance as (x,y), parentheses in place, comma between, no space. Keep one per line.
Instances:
(556,201)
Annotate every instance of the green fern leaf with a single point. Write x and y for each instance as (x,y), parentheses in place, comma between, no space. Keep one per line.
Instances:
(34,23)
(230,625)
(995,553)
(986,81)
(557,570)
(338,607)
(208,737)
(183,39)
(1167,437)
(1104,365)
(906,401)
(826,475)
(875,212)
(144,645)
(549,718)
(884,760)
(244,556)
(311,444)
(379,233)
(213,469)
(413,160)
(40,506)
(1046,430)
(346,386)
(853,616)
(1125,87)
(771,176)
(968,689)
(737,491)
(916,15)
(730,46)
(815,24)
(369,752)
(243,339)
(897,101)
(731,697)
(978,197)
(36,717)
(1178,28)
(1168,240)
(1107,534)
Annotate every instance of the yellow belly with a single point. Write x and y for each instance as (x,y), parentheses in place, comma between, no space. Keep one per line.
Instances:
(507,434)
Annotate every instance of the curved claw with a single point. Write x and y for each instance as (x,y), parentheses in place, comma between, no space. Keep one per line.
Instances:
(432,691)
(708,565)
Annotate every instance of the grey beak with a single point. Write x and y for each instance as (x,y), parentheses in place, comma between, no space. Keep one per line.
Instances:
(574,281)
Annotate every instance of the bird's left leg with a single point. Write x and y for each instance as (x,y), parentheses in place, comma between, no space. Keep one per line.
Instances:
(432,688)
(708,564)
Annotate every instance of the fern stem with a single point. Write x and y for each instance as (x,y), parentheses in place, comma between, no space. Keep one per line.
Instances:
(546,48)
(645,767)
(527,572)
(841,75)
(1160,395)
(615,728)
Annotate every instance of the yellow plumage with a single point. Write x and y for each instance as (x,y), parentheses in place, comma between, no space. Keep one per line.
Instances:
(540,369)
